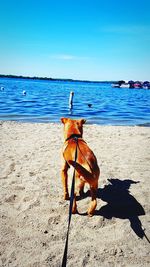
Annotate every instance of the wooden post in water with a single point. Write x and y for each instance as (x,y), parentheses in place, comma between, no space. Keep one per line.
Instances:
(71,100)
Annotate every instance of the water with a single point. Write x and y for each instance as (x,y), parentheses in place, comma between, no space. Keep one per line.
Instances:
(47,101)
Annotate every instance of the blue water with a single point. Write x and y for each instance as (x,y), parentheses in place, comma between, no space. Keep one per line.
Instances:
(47,101)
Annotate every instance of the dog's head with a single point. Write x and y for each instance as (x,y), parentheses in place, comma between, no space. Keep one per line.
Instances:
(72,127)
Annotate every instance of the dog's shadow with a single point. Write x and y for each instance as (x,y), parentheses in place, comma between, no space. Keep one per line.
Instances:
(121,204)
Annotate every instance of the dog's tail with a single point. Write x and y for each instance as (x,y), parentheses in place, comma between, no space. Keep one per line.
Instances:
(88,176)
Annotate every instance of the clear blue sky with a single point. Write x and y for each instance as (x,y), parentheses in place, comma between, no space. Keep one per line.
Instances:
(79,39)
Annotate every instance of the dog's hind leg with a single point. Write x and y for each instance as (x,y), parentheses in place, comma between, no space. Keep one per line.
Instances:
(74,208)
(64,177)
(93,203)
(79,185)
(81,188)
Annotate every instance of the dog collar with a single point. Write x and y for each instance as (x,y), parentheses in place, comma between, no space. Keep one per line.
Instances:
(74,136)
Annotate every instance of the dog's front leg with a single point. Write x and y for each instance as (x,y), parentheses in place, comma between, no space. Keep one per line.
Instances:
(64,177)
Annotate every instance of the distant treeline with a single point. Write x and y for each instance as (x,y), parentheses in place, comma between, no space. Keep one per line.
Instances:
(50,79)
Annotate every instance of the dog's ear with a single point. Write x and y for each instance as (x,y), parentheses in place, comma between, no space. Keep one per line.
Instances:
(63,120)
(83,121)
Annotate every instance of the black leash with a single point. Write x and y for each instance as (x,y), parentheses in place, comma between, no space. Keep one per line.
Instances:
(64,261)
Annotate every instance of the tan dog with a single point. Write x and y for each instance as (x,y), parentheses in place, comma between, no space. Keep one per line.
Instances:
(87,170)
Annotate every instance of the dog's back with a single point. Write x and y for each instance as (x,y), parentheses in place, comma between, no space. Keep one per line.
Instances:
(86,163)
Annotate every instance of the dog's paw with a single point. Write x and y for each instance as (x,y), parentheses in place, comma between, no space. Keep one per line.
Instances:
(90,214)
(66,196)
(74,210)
(92,208)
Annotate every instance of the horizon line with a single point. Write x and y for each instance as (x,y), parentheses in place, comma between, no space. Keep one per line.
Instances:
(51,79)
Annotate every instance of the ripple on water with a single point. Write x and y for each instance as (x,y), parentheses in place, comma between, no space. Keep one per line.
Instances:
(47,101)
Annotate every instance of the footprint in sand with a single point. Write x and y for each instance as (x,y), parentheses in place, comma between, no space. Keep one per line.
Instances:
(54,220)
(12,167)
(8,170)
(32,173)
(36,203)
(11,199)
(29,203)
(19,187)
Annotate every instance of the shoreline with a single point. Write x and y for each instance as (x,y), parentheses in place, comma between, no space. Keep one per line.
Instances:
(145,125)
(34,215)
(3,76)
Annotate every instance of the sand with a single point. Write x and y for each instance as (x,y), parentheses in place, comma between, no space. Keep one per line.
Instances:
(34,216)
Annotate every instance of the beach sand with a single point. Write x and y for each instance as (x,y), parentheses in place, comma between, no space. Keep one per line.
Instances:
(34,216)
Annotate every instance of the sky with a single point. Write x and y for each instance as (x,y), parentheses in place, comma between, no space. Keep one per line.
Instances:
(93,40)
